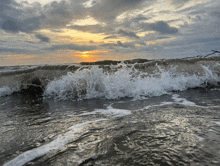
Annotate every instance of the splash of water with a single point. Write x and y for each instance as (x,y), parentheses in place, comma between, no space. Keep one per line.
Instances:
(125,82)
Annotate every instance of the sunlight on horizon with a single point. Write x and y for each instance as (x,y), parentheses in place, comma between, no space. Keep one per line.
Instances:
(91,56)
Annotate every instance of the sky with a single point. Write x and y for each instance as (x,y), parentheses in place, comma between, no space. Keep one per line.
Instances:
(73,31)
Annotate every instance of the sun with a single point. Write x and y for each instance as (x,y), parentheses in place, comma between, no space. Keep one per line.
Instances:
(85,54)
(91,56)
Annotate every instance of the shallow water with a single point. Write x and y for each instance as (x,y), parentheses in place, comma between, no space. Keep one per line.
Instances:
(179,128)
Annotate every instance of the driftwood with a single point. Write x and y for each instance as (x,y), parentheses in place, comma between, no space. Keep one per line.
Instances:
(213,52)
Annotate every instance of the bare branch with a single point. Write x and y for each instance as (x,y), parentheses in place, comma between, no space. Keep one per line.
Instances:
(213,52)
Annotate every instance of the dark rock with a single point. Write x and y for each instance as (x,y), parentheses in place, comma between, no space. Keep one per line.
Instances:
(34,89)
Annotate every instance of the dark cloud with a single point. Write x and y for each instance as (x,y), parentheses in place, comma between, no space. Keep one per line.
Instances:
(216,14)
(27,25)
(6,5)
(118,44)
(42,38)
(10,26)
(13,50)
(128,34)
(107,10)
(30,24)
(184,25)
(141,43)
(139,18)
(72,47)
(30,42)
(132,22)
(159,26)
(15,18)
(179,3)
(111,37)
(8,10)
(59,14)
(27,18)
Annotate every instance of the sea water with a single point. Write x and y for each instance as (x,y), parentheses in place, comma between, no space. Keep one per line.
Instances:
(160,112)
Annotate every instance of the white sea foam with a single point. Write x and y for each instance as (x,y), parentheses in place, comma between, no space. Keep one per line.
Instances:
(177,100)
(108,111)
(161,104)
(125,82)
(184,101)
(5,90)
(55,145)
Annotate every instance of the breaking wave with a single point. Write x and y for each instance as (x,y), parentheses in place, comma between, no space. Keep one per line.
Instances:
(151,78)
(126,82)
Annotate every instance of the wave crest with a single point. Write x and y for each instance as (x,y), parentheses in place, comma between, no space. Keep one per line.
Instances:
(126,82)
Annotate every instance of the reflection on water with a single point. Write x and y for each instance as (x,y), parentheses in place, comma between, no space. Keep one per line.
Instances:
(157,131)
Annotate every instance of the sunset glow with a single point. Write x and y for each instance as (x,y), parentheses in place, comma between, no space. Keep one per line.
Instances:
(85,54)
(90,30)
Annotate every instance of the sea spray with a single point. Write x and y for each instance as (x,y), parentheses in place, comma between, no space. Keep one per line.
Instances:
(125,82)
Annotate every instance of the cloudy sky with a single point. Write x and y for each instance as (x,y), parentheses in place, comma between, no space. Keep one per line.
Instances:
(69,31)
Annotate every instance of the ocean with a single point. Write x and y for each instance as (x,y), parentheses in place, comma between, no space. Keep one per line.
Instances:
(133,113)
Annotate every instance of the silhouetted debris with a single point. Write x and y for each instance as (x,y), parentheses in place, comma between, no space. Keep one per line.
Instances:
(110,62)
(213,52)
